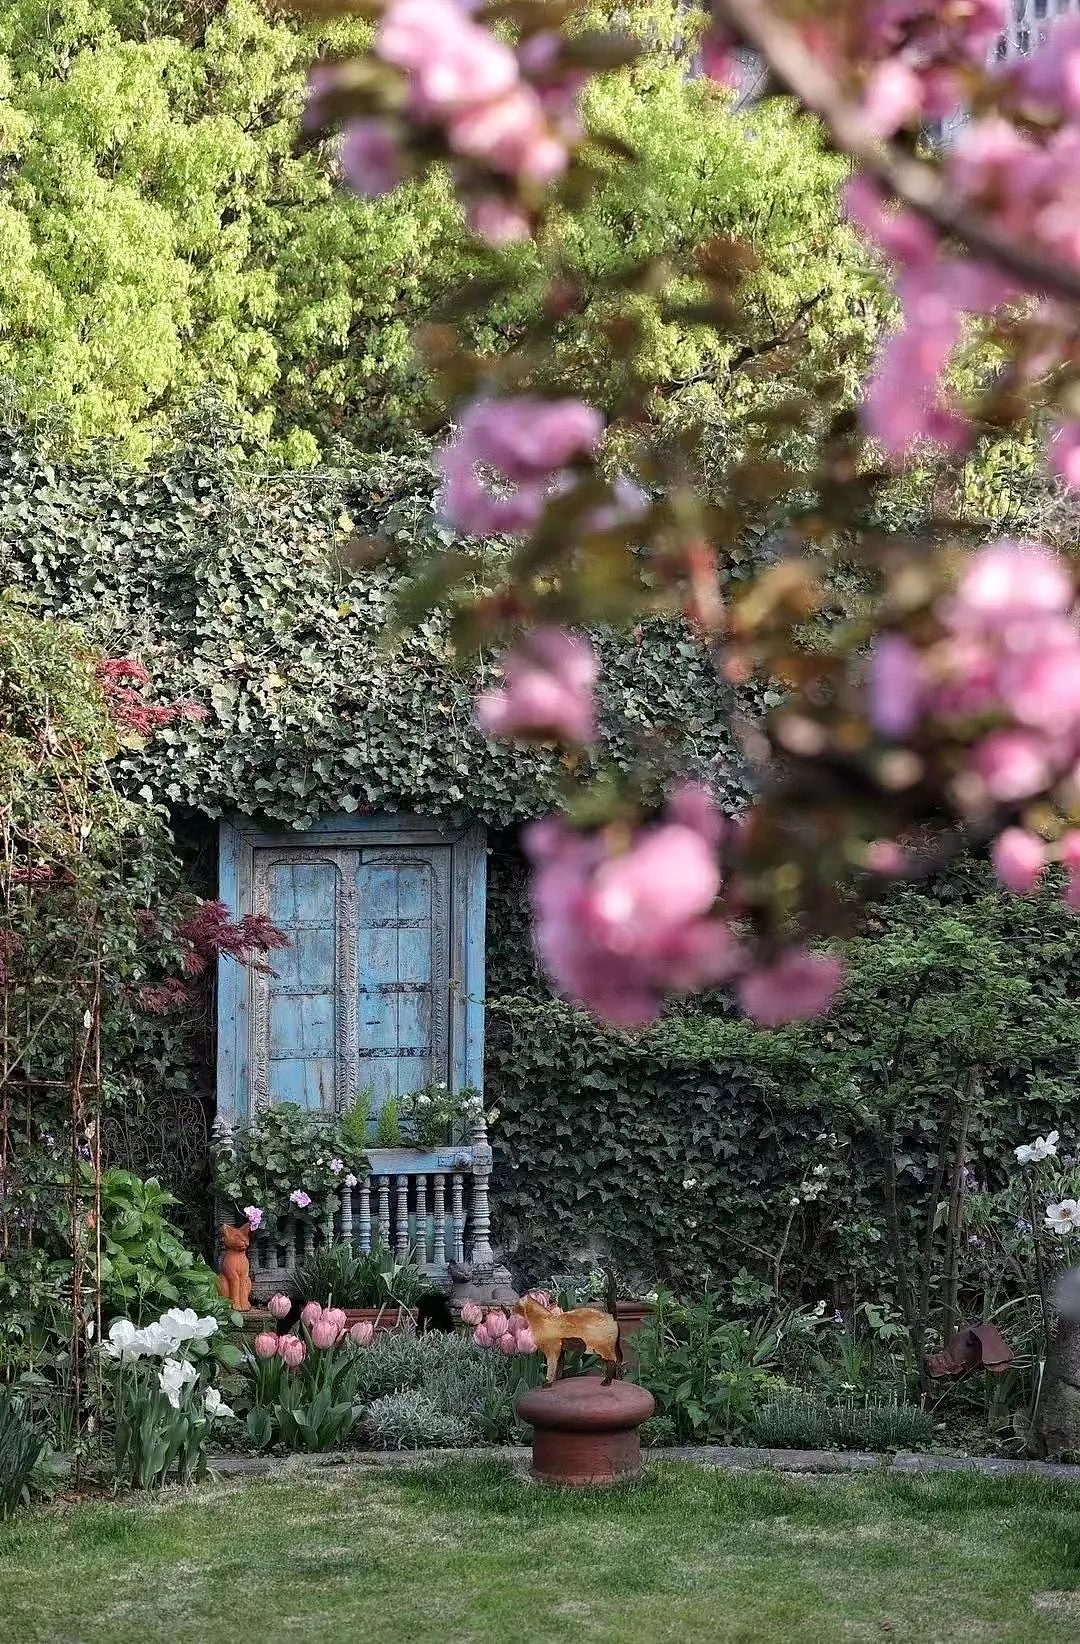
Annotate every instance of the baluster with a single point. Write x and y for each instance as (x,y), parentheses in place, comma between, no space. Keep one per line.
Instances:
(401,1219)
(481,1253)
(365,1215)
(384,1211)
(420,1238)
(458,1201)
(438,1254)
(346,1215)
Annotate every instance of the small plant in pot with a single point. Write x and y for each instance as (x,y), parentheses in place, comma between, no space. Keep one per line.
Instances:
(371,1284)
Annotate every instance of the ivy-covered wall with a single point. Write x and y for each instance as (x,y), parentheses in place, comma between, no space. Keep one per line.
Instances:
(257,597)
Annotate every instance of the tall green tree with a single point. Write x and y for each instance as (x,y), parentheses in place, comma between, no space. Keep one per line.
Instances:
(162,230)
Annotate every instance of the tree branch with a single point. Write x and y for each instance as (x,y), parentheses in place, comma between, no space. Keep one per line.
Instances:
(912,182)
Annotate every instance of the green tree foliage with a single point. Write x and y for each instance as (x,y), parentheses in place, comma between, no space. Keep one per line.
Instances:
(162,231)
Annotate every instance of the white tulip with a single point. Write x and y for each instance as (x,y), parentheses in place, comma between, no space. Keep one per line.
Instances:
(173,1377)
(1063,1217)
(215,1404)
(125,1342)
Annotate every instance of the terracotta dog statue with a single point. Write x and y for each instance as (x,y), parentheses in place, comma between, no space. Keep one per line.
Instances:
(587,1326)
(234,1280)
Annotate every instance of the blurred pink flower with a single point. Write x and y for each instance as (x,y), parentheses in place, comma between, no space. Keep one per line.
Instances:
(337,1317)
(471,1313)
(508,1343)
(496,1323)
(266,1344)
(548,691)
(526,443)
(362,1332)
(1019,858)
(372,159)
(797,985)
(482,1336)
(524,1341)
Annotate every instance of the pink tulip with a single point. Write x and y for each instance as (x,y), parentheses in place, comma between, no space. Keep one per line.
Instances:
(280,1306)
(541,1296)
(1019,858)
(266,1344)
(471,1313)
(524,1341)
(496,1323)
(508,1343)
(324,1332)
(337,1318)
(482,1336)
(310,1314)
(293,1351)
(362,1332)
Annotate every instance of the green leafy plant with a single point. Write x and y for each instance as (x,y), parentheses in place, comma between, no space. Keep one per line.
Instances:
(162,1401)
(387,1125)
(286,1150)
(21,1449)
(346,1277)
(145,1265)
(708,1374)
(435,1114)
(355,1119)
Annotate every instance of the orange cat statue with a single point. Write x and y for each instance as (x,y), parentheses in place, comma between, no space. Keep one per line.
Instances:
(234,1280)
(582,1326)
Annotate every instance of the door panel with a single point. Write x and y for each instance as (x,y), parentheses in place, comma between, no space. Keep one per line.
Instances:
(403,968)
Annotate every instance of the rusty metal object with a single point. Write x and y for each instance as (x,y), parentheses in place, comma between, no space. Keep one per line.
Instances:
(585,1431)
(980,1347)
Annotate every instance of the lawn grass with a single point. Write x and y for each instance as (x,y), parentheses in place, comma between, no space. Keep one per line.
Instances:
(465,1551)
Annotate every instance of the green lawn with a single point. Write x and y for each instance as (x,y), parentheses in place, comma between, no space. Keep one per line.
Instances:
(469,1551)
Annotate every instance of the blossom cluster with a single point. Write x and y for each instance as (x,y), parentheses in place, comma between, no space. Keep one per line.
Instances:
(325,1328)
(510,456)
(1002,673)
(164,1339)
(508,1332)
(1016,166)
(506,116)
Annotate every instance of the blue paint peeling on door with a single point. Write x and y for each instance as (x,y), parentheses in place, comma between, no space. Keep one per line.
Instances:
(382,983)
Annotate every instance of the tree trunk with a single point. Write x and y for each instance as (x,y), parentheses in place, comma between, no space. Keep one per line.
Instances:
(1056,1428)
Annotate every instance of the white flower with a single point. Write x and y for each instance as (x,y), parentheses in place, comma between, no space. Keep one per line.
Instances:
(423,1101)
(125,1342)
(215,1404)
(185,1324)
(158,1340)
(819,1310)
(1043,1147)
(173,1377)
(493,1116)
(351,1180)
(1063,1217)
(819,1170)
(793,1202)
(689,1182)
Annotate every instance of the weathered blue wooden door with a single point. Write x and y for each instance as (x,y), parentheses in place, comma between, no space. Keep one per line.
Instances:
(381,985)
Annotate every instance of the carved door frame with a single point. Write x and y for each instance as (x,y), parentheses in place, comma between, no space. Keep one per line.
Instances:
(242,993)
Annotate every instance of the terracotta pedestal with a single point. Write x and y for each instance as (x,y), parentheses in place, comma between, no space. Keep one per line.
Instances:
(584,1432)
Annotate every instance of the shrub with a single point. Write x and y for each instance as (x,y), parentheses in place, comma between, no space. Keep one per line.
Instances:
(412,1420)
(339,1275)
(20,1451)
(813,1424)
(708,1374)
(476,1391)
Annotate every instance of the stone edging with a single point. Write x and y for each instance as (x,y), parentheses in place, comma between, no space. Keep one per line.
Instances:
(721,1456)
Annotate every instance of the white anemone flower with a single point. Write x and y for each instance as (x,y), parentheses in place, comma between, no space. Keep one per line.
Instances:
(1063,1217)
(215,1404)
(173,1377)
(1043,1147)
(125,1342)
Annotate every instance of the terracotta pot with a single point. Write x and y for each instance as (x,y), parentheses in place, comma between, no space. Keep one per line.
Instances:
(631,1316)
(383,1318)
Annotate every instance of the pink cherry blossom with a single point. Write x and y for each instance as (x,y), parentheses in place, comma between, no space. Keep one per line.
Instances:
(1007,581)
(471,1313)
(526,443)
(310,1314)
(372,159)
(1011,765)
(362,1332)
(324,1332)
(895,685)
(719,56)
(1019,858)
(498,221)
(266,1344)
(548,691)
(798,984)
(293,1350)
(1065,454)
(455,62)
(280,1306)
